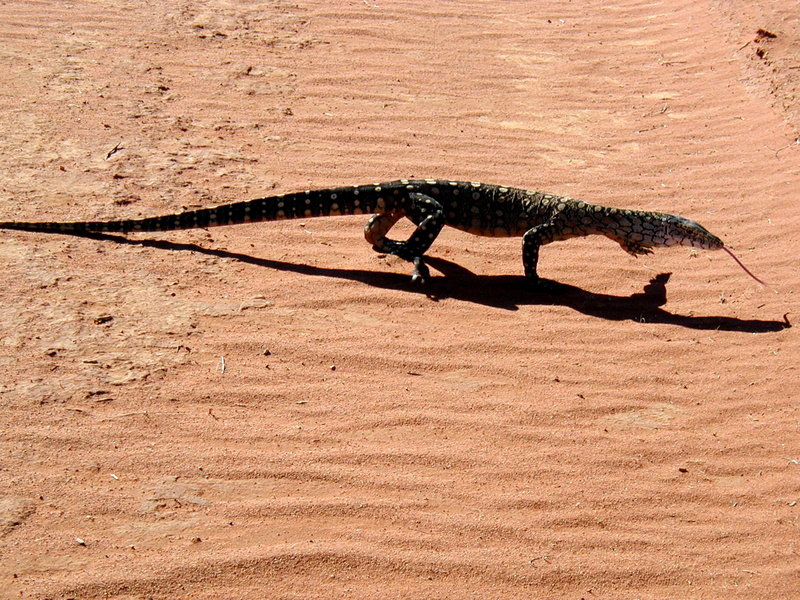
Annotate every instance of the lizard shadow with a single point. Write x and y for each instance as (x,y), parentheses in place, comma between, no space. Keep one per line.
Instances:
(643,307)
(505,292)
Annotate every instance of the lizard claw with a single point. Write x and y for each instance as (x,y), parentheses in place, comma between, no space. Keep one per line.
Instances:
(635,248)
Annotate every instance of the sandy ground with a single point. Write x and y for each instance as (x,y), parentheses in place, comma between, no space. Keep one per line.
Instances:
(635,434)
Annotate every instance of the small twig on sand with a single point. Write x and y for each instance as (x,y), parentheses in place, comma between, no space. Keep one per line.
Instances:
(779,150)
(114,150)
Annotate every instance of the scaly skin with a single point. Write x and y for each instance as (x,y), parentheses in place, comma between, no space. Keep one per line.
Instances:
(480,209)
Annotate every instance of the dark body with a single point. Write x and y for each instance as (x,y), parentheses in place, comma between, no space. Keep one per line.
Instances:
(480,209)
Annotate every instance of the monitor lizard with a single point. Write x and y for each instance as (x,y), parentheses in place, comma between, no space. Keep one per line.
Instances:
(481,209)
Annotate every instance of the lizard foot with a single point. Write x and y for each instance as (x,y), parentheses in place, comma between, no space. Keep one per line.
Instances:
(420,274)
(635,248)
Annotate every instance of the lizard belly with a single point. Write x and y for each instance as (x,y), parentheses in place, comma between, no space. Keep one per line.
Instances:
(480,227)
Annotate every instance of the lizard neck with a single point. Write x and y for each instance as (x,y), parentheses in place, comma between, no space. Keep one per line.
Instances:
(621,225)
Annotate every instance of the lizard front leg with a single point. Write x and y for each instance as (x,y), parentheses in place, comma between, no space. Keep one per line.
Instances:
(634,248)
(427,214)
(534,238)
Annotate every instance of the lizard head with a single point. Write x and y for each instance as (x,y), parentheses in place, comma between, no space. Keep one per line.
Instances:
(678,231)
(683,232)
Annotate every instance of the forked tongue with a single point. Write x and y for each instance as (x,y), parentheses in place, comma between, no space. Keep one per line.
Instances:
(746,270)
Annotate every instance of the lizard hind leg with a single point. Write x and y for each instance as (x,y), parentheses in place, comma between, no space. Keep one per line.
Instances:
(426,213)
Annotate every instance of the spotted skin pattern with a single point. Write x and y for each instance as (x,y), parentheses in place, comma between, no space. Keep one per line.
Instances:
(480,209)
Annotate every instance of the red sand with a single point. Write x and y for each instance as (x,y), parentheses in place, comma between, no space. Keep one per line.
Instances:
(634,436)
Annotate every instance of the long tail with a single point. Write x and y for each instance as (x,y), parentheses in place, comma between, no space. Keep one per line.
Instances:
(307,204)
